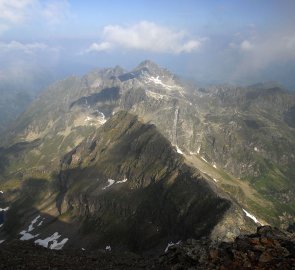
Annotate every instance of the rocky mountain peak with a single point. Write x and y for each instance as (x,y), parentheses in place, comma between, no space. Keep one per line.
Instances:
(152,68)
(148,64)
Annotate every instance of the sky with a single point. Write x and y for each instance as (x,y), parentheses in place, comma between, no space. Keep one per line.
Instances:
(225,41)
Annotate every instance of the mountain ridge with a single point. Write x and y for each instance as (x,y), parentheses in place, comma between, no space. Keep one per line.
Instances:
(127,185)
(237,138)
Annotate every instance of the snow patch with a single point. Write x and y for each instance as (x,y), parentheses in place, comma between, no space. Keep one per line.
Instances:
(171,244)
(1,225)
(256,149)
(215,180)
(53,238)
(252,217)
(214,166)
(204,159)
(154,95)
(110,182)
(88,119)
(122,181)
(1,241)
(108,248)
(41,222)
(156,80)
(31,227)
(4,209)
(178,150)
(102,117)
(27,236)
(58,245)
(1,192)
(199,149)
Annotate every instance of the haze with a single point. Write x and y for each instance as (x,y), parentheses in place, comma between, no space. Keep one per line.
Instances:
(240,42)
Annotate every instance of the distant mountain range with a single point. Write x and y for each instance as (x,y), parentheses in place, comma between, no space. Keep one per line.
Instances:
(136,159)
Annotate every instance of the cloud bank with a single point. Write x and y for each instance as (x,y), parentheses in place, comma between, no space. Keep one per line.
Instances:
(27,48)
(146,36)
(14,11)
(264,51)
(17,12)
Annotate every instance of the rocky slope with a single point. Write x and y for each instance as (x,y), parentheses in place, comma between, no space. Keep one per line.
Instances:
(267,249)
(124,186)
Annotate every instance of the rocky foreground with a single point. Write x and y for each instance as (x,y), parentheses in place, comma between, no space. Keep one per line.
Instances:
(269,248)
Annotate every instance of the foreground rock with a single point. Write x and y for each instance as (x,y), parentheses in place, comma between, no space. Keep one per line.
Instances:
(269,248)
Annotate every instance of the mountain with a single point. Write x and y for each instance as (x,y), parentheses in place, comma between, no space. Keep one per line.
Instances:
(234,145)
(124,186)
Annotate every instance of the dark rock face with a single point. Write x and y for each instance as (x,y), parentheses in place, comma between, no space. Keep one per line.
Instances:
(269,248)
(105,95)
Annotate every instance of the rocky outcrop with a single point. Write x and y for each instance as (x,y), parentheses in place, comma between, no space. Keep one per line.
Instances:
(268,249)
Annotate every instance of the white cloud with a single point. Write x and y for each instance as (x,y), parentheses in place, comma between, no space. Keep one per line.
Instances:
(246,45)
(27,48)
(263,52)
(275,48)
(146,36)
(14,11)
(55,11)
(18,12)
(100,47)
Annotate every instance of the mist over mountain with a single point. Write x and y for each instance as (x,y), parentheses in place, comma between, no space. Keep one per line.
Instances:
(184,160)
(17,93)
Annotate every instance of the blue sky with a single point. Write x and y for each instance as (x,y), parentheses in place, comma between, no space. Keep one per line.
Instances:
(240,42)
